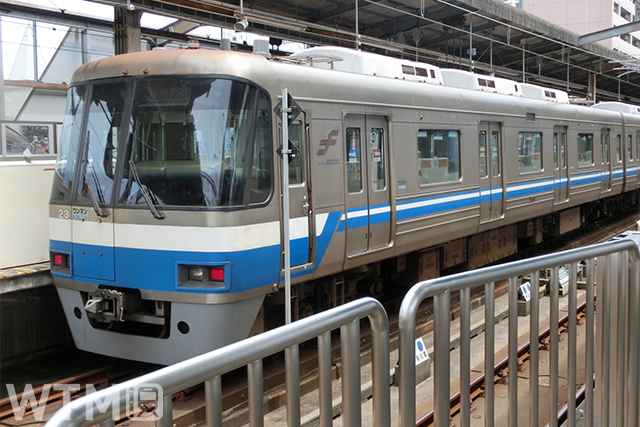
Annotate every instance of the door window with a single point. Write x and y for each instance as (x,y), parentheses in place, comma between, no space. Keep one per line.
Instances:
(377,159)
(354,164)
(483,154)
(296,166)
(495,153)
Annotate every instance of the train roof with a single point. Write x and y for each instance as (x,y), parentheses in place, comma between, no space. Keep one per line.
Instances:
(359,62)
(618,106)
(254,66)
(171,61)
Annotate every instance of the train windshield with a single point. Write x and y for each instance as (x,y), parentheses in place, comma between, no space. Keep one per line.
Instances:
(197,142)
(67,152)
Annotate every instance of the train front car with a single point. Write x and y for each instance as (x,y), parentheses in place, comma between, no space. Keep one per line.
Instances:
(164,233)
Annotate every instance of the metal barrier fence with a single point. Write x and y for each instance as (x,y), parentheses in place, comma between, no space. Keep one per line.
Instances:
(616,377)
(616,367)
(100,407)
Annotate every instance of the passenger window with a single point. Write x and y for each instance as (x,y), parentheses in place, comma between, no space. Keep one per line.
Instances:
(618,148)
(438,156)
(529,152)
(629,148)
(354,168)
(296,166)
(483,153)
(377,159)
(585,149)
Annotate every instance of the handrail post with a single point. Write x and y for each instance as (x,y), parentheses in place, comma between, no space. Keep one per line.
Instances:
(406,358)
(213,398)
(292,363)
(512,386)
(255,389)
(350,355)
(633,349)
(441,374)
(380,364)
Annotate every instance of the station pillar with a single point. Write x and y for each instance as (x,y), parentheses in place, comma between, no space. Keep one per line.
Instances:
(126,28)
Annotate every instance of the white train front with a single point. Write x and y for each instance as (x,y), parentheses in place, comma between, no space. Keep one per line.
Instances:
(166,237)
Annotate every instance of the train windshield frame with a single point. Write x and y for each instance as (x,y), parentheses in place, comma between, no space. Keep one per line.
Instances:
(189,141)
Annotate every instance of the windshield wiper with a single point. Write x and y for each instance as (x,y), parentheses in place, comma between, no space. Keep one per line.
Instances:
(94,202)
(92,194)
(145,194)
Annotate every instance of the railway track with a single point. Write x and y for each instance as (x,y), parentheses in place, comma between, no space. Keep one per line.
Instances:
(500,370)
(234,385)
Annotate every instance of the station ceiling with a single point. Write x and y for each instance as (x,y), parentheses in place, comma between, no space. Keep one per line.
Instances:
(502,40)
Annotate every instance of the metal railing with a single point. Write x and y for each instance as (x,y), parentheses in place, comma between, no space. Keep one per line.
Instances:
(612,346)
(100,407)
(620,317)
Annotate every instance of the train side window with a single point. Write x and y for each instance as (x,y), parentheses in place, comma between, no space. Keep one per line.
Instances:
(629,148)
(618,148)
(354,156)
(378,181)
(529,152)
(483,153)
(585,149)
(296,166)
(438,156)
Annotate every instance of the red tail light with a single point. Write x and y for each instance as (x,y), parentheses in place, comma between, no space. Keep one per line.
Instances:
(58,260)
(216,275)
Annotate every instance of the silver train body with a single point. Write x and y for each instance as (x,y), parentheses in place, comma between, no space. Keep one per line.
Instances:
(166,211)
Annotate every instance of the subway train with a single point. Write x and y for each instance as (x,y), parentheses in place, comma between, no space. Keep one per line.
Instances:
(166,237)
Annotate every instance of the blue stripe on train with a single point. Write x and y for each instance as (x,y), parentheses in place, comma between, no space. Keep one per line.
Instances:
(157,269)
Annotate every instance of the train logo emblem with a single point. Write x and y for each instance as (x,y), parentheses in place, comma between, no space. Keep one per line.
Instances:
(329,141)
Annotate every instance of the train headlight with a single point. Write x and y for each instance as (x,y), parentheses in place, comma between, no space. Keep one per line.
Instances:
(197,273)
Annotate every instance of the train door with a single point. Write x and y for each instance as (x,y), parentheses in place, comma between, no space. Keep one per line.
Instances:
(491,174)
(368,215)
(561,171)
(605,159)
(92,215)
(300,213)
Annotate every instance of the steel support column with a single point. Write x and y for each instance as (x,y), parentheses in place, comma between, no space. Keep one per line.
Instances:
(126,28)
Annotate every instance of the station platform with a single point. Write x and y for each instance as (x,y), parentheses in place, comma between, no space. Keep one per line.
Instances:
(25,277)
(32,323)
